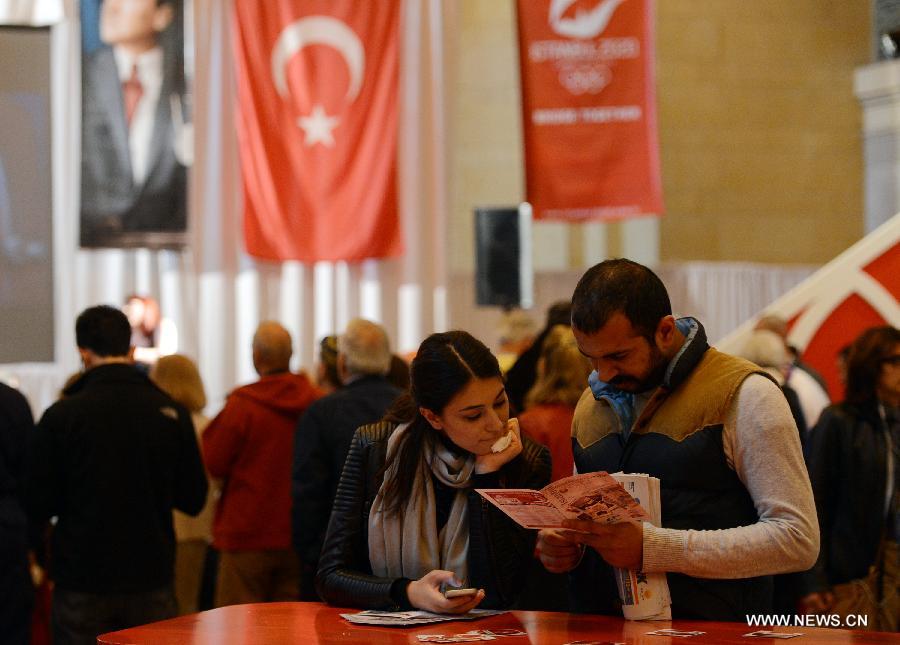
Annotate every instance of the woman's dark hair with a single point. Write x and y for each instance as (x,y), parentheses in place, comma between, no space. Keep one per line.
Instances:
(445,363)
(864,362)
(328,352)
(398,375)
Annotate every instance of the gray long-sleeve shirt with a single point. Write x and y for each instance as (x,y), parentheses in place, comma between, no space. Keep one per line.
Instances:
(762,446)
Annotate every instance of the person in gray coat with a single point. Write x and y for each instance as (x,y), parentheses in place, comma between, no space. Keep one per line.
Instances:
(324,434)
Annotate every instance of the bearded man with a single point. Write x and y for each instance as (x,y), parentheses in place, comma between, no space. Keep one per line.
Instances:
(737,506)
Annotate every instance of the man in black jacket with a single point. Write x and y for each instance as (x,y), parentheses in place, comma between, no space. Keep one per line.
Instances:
(110,461)
(16,423)
(324,434)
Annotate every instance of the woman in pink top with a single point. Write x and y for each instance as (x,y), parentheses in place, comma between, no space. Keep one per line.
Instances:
(562,374)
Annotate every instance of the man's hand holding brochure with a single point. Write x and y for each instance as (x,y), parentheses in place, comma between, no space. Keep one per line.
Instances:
(604,499)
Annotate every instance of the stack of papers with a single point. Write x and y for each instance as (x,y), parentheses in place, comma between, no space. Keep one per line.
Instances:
(644,596)
(410,618)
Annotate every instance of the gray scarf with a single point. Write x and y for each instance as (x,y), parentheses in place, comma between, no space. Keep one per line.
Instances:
(407,544)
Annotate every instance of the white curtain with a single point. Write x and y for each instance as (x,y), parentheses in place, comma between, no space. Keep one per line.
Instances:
(213,292)
(31,13)
(722,295)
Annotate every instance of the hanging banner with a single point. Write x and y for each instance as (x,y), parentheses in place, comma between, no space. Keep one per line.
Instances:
(318,93)
(136,132)
(589,109)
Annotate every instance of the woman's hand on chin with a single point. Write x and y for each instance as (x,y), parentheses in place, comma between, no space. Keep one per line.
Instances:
(425,593)
(493,461)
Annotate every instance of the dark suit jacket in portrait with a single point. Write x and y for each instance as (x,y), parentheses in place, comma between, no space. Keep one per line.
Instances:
(114,210)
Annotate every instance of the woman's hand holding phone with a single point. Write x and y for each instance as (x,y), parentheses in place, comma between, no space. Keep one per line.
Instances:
(425,593)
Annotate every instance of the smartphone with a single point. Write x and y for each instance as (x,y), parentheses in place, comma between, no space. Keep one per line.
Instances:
(454,593)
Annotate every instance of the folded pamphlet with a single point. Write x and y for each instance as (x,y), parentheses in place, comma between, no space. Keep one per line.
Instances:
(589,496)
(604,498)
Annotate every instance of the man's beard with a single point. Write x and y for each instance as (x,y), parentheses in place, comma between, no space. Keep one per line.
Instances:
(654,378)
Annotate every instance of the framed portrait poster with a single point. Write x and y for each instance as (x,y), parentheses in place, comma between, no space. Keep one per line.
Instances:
(136,134)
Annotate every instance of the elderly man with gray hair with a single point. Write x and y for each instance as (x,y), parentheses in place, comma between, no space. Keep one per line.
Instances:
(324,433)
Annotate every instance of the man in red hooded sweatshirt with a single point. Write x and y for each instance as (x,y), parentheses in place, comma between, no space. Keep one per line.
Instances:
(250,446)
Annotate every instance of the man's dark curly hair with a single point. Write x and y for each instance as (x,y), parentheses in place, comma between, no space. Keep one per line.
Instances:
(620,285)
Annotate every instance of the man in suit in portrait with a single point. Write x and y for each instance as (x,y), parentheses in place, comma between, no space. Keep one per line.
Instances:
(133,175)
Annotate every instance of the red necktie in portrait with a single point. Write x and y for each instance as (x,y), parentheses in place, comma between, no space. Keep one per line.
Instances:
(132,91)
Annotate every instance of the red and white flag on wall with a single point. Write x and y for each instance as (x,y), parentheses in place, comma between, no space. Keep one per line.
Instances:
(589,108)
(857,290)
(318,95)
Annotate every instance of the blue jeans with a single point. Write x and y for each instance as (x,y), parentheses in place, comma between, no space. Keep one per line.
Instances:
(77,617)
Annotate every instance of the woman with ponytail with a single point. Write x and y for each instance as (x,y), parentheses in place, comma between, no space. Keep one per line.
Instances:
(406,520)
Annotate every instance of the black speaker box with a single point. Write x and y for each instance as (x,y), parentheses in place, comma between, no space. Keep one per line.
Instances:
(503,269)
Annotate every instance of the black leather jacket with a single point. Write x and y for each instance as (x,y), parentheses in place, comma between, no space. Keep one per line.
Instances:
(499,549)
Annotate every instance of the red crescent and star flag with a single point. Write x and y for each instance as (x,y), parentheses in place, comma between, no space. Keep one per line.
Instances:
(589,109)
(317,127)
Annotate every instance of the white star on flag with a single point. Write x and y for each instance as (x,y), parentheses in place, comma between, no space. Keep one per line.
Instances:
(318,127)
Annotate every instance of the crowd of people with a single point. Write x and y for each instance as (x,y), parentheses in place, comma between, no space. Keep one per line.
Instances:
(357,487)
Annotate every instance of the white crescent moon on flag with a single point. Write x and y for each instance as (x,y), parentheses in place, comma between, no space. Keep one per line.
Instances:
(319,30)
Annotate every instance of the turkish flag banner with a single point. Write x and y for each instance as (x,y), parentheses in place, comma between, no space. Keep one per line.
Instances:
(589,109)
(318,97)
